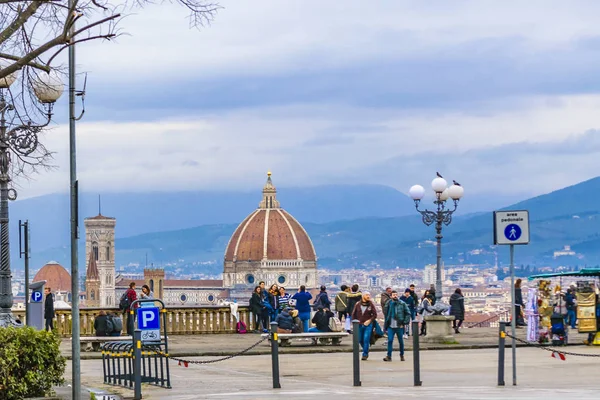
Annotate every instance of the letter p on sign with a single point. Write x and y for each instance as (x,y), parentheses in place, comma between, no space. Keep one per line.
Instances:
(147,317)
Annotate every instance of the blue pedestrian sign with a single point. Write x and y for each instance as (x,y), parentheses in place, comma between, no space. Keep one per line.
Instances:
(512,232)
(148,321)
(36,296)
(511,227)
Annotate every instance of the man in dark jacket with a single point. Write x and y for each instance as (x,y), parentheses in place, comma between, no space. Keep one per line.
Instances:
(131,296)
(385,297)
(49,308)
(397,315)
(285,322)
(353,297)
(571,308)
(366,313)
(321,320)
(410,302)
(322,299)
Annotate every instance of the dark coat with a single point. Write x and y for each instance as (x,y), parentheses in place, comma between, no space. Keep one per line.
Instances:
(385,297)
(49,307)
(321,320)
(457,306)
(256,305)
(285,321)
(352,298)
(400,311)
(100,325)
(302,304)
(370,312)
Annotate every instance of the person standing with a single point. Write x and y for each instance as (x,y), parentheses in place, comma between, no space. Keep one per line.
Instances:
(259,313)
(365,312)
(131,297)
(412,307)
(397,315)
(322,299)
(385,297)
(425,310)
(519,303)
(284,298)
(341,300)
(303,306)
(571,308)
(457,308)
(353,298)
(49,309)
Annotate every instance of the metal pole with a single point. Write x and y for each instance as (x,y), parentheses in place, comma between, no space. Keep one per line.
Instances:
(137,364)
(513,321)
(438,267)
(24,227)
(275,355)
(501,344)
(416,355)
(75,329)
(356,352)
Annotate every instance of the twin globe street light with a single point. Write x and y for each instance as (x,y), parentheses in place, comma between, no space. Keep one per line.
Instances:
(20,139)
(443,215)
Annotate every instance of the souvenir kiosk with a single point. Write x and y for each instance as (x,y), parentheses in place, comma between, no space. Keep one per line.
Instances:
(545,306)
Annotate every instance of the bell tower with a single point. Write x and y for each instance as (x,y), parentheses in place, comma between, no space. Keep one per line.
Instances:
(100,248)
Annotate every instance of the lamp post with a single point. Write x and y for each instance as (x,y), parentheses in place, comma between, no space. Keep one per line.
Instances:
(442,215)
(20,140)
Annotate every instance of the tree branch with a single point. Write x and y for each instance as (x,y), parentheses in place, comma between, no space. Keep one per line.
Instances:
(31,64)
(19,21)
(71,43)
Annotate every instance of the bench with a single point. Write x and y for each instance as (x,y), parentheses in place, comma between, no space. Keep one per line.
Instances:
(333,338)
(92,343)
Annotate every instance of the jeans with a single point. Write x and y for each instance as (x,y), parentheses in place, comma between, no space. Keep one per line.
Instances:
(571,318)
(304,317)
(390,333)
(49,324)
(364,334)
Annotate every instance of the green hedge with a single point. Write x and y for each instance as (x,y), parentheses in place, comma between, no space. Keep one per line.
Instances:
(30,363)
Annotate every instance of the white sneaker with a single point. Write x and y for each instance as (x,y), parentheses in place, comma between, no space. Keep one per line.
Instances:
(405,336)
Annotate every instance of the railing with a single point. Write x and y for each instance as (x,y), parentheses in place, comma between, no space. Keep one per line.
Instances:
(491,322)
(180,320)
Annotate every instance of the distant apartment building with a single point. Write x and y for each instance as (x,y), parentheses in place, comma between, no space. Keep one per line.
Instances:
(429,274)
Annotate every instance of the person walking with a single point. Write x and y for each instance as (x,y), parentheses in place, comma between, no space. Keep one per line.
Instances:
(397,315)
(341,300)
(303,306)
(365,312)
(457,309)
(385,297)
(49,309)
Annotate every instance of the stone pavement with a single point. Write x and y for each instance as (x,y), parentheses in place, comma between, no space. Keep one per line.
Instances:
(226,344)
(451,374)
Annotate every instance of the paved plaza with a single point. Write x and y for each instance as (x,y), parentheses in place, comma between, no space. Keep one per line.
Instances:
(451,374)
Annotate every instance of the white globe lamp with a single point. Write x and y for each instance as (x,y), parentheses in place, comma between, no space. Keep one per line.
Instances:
(444,195)
(48,87)
(439,185)
(416,192)
(9,79)
(456,192)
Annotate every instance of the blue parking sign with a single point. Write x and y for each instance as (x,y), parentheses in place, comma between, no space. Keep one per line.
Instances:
(148,318)
(36,296)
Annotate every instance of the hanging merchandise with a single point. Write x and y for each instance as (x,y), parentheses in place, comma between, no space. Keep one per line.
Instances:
(533,317)
(586,307)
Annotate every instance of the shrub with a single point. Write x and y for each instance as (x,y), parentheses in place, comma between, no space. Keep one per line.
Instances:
(30,363)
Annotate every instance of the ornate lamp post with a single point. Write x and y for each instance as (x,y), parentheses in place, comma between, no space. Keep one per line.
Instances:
(441,215)
(20,140)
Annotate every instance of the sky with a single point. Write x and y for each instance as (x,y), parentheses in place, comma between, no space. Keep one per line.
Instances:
(500,96)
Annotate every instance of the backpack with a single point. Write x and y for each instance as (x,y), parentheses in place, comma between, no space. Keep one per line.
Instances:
(124,301)
(117,324)
(318,301)
(335,325)
(240,327)
(110,326)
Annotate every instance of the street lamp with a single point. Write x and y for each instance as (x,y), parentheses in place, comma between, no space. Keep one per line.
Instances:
(440,216)
(21,140)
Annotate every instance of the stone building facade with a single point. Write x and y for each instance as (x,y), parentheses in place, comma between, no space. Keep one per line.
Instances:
(100,248)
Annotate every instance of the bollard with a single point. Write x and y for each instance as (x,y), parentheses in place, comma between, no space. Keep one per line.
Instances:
(356,352)
(137,364)
(416,360)
(275,355)
(501,344)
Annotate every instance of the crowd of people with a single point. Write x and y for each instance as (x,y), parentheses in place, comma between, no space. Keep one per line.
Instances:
(397,309)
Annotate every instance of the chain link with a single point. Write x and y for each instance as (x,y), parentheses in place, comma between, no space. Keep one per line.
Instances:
(539,346)
(161,353)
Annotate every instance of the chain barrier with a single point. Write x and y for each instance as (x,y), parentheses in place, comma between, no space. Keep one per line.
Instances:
(550,349)
(186,362)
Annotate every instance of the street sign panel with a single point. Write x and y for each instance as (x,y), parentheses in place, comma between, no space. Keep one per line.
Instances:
(148,320)
(511,227)
(36,296)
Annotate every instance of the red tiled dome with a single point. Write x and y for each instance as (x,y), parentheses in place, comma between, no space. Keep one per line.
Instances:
(270,233)
(56,276)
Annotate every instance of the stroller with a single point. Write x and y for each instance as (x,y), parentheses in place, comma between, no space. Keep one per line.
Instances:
(558,330)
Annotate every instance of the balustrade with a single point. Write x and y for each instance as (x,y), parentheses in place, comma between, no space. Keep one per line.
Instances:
(180,320)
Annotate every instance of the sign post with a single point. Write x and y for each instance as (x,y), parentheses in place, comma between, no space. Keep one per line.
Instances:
(512,228)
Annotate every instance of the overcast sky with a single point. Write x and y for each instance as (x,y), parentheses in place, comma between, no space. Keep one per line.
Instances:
(502,96)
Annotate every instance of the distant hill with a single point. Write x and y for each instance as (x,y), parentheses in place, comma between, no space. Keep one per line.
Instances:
(139,213)
(563,217)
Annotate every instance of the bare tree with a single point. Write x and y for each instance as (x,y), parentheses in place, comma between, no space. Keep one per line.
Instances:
(33,33)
